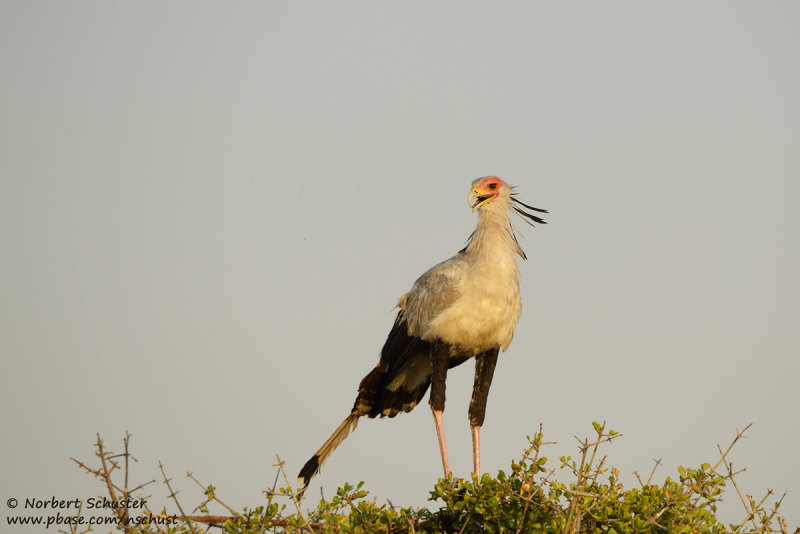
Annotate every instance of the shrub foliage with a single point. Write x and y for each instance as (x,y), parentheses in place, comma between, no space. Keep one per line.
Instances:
(531,497)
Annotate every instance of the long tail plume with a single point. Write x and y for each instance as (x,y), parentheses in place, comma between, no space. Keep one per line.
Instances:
(312,466)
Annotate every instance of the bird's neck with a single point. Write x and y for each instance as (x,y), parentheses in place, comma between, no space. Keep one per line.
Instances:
(493,237)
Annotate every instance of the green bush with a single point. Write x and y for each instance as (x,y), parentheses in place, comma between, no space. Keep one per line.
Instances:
(528,498)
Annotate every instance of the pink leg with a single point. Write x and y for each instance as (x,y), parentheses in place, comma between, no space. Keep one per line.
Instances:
(476,450)
(437,418)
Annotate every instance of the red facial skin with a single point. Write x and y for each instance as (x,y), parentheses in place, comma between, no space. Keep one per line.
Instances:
(491,185)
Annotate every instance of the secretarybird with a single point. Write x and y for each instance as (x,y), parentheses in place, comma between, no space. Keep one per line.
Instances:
(466,306)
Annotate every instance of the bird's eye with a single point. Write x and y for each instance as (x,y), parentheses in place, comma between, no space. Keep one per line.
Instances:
(492,186)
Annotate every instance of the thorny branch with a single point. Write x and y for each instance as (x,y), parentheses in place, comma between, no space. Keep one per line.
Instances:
(582,502)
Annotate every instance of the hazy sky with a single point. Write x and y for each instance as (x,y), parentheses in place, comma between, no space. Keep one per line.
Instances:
(208,212)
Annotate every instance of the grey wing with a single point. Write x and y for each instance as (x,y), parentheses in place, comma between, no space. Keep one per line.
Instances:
(433,292)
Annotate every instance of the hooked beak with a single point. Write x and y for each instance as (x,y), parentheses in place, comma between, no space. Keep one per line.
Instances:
(479,199)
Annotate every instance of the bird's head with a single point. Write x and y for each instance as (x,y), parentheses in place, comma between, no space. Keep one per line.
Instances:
(487,190)
(492,190)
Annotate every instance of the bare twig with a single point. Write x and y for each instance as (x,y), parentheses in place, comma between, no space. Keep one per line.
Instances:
(573,518)
(174,496)
(653,472)
(212,495)
(270,495)
(739,435)
(536,444)
(280,464)
(120,511)
(775,511)
(755,508)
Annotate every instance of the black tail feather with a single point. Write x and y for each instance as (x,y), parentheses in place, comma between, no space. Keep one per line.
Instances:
(375,397)
(312,466)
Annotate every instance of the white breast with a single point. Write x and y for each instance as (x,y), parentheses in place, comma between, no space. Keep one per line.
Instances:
(486,313)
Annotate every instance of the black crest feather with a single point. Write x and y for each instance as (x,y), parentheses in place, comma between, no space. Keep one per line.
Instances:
(513,199)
